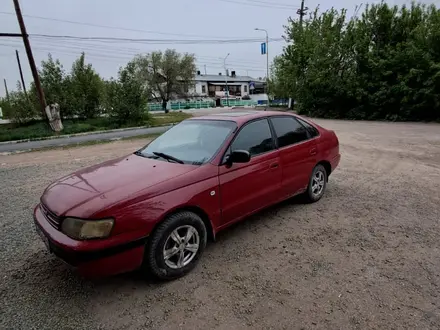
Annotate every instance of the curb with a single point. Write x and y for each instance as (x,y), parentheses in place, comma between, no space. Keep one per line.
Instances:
(82,134)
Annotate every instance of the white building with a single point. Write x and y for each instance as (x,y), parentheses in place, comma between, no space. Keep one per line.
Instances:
(215,85)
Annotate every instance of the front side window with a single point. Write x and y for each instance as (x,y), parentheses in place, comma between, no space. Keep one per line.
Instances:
(191,142)
(289,131)
(255,137)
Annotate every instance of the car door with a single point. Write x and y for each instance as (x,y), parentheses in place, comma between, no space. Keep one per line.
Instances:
(297,152)
(248,187)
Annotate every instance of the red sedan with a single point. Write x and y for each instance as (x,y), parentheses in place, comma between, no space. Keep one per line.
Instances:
(156,208)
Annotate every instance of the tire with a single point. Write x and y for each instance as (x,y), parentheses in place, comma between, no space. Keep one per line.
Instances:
(314,193)
(164,241)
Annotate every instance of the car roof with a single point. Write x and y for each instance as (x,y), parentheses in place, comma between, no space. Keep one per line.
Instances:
(241,116)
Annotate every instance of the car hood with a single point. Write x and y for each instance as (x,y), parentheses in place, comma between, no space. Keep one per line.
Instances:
(92,189)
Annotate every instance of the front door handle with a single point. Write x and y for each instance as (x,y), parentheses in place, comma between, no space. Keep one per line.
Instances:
(313,151)
(274,165)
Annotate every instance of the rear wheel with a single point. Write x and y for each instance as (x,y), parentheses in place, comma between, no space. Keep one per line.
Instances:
(317,184)
(176,245)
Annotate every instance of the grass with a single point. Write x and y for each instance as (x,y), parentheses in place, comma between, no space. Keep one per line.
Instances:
(169,118)
(38,129)
(94,142)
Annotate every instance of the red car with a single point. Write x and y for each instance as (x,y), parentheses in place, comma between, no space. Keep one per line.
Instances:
(156,208)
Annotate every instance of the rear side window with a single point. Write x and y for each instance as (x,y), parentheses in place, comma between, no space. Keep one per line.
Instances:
(255,137)
(289,131)
(312,130)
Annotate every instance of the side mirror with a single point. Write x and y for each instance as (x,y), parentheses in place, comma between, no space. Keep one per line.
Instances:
(238,156)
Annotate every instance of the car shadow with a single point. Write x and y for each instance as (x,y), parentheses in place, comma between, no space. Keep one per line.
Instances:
(258,219)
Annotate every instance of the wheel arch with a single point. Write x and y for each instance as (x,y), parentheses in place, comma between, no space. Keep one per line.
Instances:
(196,210)
(327,167)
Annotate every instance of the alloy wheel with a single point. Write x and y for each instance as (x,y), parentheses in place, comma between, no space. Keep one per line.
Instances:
(181,246)
(318,182)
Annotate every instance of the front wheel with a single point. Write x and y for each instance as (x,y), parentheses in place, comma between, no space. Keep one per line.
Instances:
(176,245)
(317,184)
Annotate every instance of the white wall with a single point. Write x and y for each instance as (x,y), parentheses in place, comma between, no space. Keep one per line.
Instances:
(199,84)
(198,89)
(243,92)
(258,97)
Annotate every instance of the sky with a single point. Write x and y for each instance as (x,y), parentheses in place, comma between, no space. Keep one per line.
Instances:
(150,19)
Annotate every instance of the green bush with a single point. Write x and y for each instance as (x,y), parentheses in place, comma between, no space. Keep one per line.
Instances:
(20,109)
(126,100)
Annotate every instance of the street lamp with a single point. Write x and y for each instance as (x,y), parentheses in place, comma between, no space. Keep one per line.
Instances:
(267,62)
(226,79)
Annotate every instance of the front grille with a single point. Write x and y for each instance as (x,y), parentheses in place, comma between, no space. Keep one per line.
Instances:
(51,217)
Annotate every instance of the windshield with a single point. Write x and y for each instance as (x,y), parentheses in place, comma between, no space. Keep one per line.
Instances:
(191,142)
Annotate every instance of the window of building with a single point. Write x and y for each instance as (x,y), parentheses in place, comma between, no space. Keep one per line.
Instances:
(203,89)
(245,88)
(255,137)
(289,131)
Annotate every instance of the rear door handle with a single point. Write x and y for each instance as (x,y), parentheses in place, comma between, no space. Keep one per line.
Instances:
(274,165)
(313,151)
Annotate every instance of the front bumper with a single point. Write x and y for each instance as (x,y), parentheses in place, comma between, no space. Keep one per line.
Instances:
(93,258)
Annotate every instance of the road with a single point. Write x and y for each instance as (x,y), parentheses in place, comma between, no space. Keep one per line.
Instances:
(13,147)
(23,146)
(366,256)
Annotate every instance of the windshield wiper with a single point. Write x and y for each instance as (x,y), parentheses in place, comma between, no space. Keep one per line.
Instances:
(168,157)
(139,153)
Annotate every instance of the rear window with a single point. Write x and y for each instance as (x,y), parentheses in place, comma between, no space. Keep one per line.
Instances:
(289,131)
(312,130)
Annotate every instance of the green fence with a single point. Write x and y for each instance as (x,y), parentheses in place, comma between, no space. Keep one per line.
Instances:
(238,103)
(201,104)
(182,105)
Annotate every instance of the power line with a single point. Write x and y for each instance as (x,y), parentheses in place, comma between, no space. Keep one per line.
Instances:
(271,3)
(261,4)
(120,56)
(110,26)
(153,41)
(114,49)
(130,51)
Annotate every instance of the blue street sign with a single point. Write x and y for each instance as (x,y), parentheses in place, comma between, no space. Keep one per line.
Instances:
(263,48)
(251,85)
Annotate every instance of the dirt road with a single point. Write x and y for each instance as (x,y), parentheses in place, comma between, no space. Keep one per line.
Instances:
(367,256)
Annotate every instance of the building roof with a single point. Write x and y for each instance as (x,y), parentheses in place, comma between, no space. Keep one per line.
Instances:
(221,78)
(223,83)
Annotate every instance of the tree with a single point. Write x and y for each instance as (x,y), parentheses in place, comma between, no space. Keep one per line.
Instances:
(126,99)
(85,89)
(167,75)
(19,109)
(54,82)
(383,65)
(280,84)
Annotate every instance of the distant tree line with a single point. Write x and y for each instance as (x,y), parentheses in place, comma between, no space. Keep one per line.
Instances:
(82,93)
(382,64)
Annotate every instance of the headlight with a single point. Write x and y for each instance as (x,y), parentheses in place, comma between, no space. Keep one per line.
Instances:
(87,229)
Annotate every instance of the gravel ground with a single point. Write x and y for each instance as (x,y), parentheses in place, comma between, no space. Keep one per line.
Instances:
(364,257)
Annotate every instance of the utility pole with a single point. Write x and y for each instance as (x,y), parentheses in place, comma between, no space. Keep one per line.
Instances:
(6,89)
(267,62)
(21,73)
(31,59)
(302,12)
(226,80)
